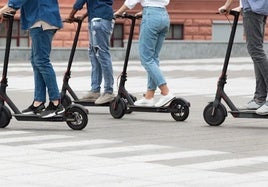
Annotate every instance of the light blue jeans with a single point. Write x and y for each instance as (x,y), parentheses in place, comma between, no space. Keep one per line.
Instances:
(44,74)
(99,54)
(154,27)
(254,26)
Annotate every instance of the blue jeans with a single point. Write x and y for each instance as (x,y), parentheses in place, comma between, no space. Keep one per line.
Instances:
(44,74)
(154,27)
(254,26)
(99,54)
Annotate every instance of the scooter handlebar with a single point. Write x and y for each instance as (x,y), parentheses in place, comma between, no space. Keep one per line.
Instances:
(231,12)
(126,15)
(76,19)
(9,14)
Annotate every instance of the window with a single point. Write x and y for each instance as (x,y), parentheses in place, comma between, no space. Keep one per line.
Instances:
(117,36)
(175,32)
(19,37)
(221,31)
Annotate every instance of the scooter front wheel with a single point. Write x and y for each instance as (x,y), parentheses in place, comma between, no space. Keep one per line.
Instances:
(214,116)
(179,109)
(76,118)
(5,116)
(118,108)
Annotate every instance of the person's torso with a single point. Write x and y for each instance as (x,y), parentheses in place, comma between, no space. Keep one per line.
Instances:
(257,6)
(100,9)
(33,11)
(155,3)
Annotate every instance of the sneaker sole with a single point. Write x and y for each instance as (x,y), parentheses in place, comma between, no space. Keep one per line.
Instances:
(166,102)
(103,102)
(53,114)
(262,114)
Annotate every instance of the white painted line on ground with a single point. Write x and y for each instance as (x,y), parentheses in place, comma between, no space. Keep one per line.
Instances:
(13,132)
(118,149)
(228,163)
(32,138)
(69,144)
(176,155)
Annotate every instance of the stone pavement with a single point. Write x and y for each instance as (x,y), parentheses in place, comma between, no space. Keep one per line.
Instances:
(141,149)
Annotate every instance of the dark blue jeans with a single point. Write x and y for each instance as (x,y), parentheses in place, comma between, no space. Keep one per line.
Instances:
(254,26)
(44,74)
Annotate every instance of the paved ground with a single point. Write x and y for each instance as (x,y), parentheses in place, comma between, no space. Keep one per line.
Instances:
(141,149)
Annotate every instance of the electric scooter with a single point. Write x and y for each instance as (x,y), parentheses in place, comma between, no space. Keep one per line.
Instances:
(66,100)
(124,102)
(215,112)
(75,115)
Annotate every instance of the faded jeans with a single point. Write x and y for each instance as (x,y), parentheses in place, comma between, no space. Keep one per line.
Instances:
(99,53)
(254,26)
(154,27)
(44,74)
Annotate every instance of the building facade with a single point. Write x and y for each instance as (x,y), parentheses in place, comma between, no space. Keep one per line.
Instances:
(190,20)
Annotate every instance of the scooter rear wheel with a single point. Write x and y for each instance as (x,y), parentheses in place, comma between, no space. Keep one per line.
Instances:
(77,118)
(181,108)
(5,116)
(218,117)
(118,108)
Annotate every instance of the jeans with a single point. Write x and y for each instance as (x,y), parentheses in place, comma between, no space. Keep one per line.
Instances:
(99,54)
(254,26)
(154,27)
(44,74)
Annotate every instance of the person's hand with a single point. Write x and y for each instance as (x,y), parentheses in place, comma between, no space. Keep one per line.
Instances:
(1,18)
(139,14)
(69,20)
(117,14)
(1,14)
(237,9)
(223,10)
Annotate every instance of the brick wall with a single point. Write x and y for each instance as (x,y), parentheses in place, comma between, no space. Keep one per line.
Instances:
(196,16)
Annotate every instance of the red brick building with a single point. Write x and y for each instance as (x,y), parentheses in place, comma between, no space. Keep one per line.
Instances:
(190,20)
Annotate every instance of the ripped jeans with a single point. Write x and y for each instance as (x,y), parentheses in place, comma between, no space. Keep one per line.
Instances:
(100,31)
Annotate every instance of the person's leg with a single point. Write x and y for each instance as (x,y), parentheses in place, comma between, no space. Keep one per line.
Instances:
(39,85)
(102,31)
(154,27)
(96,72)
(254,30)
(148,40)
(41,56)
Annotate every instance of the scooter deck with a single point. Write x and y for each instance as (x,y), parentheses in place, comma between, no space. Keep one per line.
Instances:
(90,103)
(33,117)
(247,114)
(149,109)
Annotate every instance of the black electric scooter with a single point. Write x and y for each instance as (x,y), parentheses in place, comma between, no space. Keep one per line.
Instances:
(66,100)
(215,112)
(75,115)
(124,102)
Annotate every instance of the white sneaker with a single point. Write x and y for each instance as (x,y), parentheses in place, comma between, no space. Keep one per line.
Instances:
(164,99)
(251,105)
(263,110)
(144,102)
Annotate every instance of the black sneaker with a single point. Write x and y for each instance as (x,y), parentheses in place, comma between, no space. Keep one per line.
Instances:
(34,110)
(52,110)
